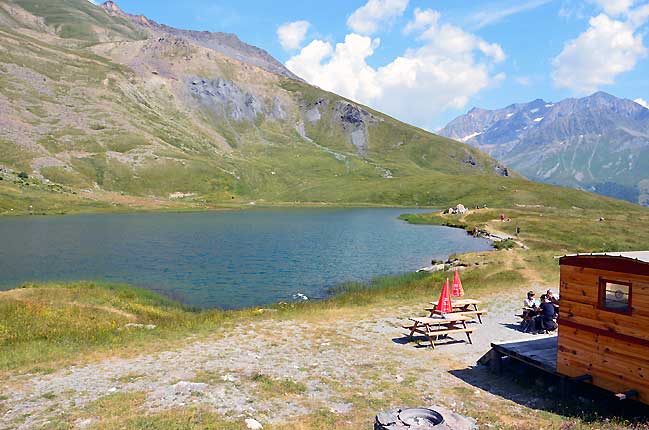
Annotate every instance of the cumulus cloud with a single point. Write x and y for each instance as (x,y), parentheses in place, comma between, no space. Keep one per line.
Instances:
(368,18)
(292,34)
(642,102)
(445,71)
(596,57)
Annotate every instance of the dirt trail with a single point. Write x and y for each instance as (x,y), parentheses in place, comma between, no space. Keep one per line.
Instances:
(532,275)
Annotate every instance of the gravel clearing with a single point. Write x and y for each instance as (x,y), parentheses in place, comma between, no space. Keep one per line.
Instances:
(358,356)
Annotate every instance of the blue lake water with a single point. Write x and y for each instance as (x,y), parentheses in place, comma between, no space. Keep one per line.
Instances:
(224,259)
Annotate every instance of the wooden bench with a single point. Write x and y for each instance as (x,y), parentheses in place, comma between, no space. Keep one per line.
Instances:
(477,313)
(444,332)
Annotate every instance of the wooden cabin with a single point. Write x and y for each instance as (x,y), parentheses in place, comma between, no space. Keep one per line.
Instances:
(604,321)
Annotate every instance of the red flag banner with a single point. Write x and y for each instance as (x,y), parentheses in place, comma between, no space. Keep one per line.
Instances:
(457,290)
(444,305)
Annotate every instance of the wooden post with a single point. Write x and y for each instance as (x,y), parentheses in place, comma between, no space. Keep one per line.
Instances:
(495,362)
(565,387)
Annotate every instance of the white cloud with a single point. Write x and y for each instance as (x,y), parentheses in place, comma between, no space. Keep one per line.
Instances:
(449,39)
(445,71)
(642,102)
(422,20)
(639,15)
(368,18)
(596,57)
(615,7)
(292,34)
(484,18)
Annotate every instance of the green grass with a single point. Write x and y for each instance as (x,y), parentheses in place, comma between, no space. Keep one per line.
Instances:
(16,199)
(51,320)
(45,324)
(124,411)
(76,19)
(269,386)
(11,155)
(504,244)
(560,230)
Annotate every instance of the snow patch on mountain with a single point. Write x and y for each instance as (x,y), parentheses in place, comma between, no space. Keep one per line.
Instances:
(469,137)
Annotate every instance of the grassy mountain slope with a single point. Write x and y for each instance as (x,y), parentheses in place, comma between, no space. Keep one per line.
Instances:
(79,20)
(104,112)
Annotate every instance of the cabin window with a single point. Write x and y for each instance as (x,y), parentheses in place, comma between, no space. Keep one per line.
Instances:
(615,296)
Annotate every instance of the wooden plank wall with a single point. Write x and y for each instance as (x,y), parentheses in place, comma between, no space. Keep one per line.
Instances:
(612,351)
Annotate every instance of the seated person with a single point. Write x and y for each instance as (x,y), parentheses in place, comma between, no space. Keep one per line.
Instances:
(528,314)
(530,301)
(552,298)
(545,321)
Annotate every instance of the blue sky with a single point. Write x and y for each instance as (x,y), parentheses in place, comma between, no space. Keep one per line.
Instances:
(426,62)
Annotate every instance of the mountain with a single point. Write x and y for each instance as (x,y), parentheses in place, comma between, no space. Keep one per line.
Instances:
(598,143)
(98,105)
(226,43)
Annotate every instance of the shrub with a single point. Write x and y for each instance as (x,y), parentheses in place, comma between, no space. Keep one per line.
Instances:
(504,244)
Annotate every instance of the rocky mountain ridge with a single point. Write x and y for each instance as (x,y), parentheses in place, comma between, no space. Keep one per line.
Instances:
(598,143)
(110,104)
(226,43)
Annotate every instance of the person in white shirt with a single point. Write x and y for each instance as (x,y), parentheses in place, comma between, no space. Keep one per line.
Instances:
(529,312)
(529,301)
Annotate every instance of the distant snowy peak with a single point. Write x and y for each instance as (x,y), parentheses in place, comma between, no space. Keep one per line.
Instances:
(589,142)
(642,102)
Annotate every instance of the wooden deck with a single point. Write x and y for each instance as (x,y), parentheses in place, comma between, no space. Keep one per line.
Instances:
(540,353)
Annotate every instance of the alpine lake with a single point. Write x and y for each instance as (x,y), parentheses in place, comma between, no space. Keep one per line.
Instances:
(227,259)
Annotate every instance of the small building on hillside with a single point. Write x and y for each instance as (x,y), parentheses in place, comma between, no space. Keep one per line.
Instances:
(604,321)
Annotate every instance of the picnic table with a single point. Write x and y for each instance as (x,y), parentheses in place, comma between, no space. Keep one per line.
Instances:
(465,307)
(462,304)
(434,327)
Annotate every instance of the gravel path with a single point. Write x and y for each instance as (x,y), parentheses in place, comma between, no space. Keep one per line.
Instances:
(355,355)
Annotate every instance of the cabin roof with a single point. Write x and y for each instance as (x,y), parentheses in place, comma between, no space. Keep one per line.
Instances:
(636,262)
(631,255)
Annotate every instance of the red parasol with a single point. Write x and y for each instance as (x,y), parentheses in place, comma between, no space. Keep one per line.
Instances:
(457,290)
(444,305)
